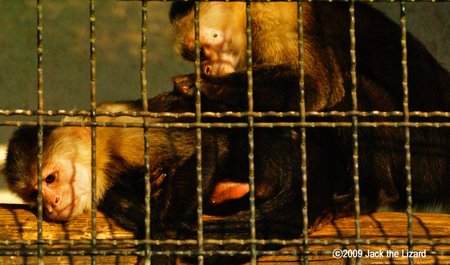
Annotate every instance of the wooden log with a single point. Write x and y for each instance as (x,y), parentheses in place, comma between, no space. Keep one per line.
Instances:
(18,223)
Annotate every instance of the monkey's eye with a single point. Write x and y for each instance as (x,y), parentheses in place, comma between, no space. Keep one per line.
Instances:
(50,178)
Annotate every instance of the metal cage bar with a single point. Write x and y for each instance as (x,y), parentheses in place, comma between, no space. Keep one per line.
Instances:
(375,113)
(93,86)
(355,125)
(143,71)
(40,121)
(251,130)
(407,129)
(198,147)
(303,131)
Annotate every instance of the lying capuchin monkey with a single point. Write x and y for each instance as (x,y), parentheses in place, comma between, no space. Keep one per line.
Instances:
(66,173)
(277,154)
(225,167)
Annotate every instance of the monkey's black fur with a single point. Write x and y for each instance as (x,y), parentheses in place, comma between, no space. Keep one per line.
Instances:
(278,159)
(225,157)
(330,165)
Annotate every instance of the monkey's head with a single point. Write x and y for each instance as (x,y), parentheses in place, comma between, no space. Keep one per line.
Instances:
(66,176)
(222,35)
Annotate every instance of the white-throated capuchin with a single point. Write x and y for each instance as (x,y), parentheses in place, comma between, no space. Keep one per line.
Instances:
(327,76)
(120,174)
(278,174)
(223,40)
(277,150)
(66,171)
(326,43)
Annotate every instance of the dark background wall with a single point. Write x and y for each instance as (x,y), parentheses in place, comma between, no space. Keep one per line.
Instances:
(118,40)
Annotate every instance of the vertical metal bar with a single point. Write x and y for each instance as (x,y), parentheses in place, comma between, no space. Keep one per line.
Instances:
(407,130)
(144,56)
(303,131)
(198,110)
(146,133)
(355,124)
(40,95)
(93,129)
(251,130)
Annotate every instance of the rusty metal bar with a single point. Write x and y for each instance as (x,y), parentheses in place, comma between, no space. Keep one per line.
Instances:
(198,116)
(251,130)
(40,122)
(144,19)
(355,125)
(407,129)
(93,79)
(303,131)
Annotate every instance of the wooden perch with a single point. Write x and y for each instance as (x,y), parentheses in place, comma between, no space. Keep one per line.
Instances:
(18,223)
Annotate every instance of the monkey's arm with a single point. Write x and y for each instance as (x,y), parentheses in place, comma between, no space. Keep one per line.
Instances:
(275,87)
(125,200)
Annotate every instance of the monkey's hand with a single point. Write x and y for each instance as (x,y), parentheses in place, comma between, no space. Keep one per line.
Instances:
(157,178)
(184,84)
(219,88)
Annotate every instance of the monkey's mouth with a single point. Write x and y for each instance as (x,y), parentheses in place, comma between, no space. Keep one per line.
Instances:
(61,215)
(219,67)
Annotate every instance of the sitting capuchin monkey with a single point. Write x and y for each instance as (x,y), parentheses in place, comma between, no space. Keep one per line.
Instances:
(66,169)
(326,45)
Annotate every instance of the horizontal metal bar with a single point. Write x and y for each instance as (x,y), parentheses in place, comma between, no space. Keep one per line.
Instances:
(85,113)
(192,242)
(211,125)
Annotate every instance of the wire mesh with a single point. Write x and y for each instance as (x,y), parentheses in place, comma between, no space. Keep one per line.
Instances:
(355,124)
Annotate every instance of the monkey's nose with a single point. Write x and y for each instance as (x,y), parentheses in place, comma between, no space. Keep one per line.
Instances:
(207,69)
(57,199)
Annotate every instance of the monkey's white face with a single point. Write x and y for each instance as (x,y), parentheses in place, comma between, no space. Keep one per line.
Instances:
(66,189)
(222,37)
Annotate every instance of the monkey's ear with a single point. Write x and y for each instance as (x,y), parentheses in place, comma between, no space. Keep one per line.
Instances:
(228,190)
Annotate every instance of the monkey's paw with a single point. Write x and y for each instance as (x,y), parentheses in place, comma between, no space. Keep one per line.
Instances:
(324,218)
(157,178)
(184,84)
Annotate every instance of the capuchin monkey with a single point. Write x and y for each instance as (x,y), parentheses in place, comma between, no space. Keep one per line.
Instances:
(225,165)
(66,170)
(120,174)
(328,85)
(326,44)
(277,154)
(223,39)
